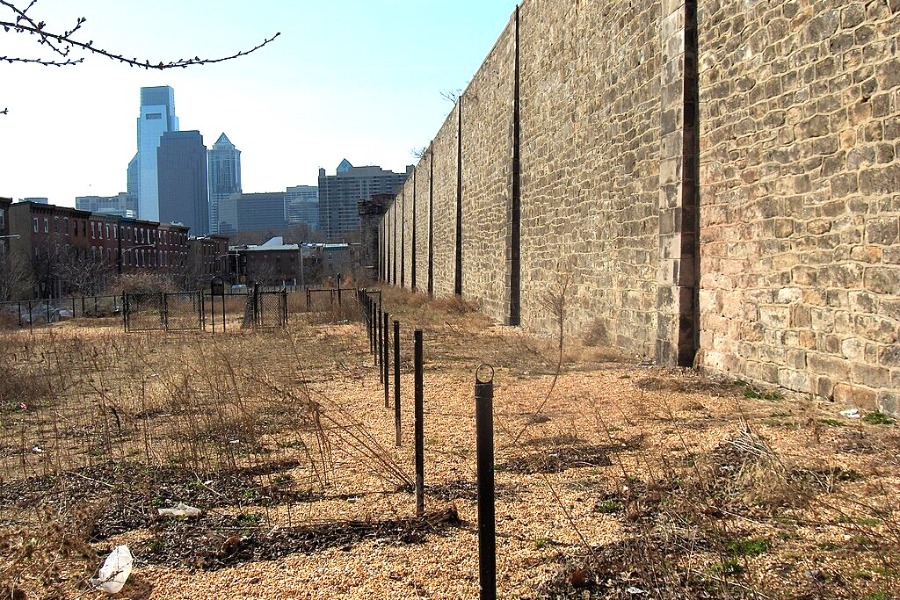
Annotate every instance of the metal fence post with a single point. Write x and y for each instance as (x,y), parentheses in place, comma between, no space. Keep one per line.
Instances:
(484,431)
(397,381)
(339,289)
(419,425)
(385,362)
(378,342)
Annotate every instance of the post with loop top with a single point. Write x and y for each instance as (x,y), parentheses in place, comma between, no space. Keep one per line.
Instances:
(397,381)
(484,432)
(419,385)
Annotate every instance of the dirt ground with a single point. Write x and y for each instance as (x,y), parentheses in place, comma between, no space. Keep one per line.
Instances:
(614,478)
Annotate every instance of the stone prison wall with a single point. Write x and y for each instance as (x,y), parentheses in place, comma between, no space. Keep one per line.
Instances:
(712,183)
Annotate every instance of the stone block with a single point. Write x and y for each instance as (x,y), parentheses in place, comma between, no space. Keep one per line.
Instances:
(889,356)
(867,254)
(880,180)
(761,372)
(853,349)
(847,394)
(877,329)
(832,366)
(883,230)
(775,317)
(788,295)
(824,388)
(882,280)
(853,16)
(797,381)
(818,226)
(861,302)
(869,375)
(889,402)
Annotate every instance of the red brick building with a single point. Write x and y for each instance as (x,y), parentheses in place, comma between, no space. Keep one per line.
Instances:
(74,251)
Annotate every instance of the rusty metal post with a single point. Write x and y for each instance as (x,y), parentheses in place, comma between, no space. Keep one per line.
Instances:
(385,361)
(378,342)
(418,361)
(484,432)
(397,382)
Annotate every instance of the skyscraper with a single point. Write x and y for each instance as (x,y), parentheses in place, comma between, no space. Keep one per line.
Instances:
(157,117)
(340,193)
(224,177)
(133,181)
(302,206)
(181,167)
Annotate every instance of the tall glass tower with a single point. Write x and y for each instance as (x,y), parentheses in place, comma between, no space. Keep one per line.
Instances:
(224,176)
(182,180)
(157,117)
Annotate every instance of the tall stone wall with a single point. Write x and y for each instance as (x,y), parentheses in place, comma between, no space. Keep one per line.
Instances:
(421,243)
(801,195)
(709,177)
(444,154)
(407,199)
(590,167)
(486,150)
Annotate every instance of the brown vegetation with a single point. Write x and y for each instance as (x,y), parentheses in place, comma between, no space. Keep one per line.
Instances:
(613,478)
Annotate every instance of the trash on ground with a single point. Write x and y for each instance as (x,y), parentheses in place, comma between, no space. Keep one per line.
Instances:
(115,571)
(850,413)
(180,510)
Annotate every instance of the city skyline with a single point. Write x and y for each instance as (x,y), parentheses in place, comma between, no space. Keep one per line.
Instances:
(157,117)
(224,174)
(328,88)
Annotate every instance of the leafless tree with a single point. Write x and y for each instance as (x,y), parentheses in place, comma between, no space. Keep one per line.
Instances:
(15,275)
(62,48)
(80,273)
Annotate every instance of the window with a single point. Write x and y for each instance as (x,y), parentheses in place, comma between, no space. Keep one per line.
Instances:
(100,230)
(154,116)
(46,225)
(55,224)
(107,231)
(2,218)
(66,225)
(93,233)
(34,224)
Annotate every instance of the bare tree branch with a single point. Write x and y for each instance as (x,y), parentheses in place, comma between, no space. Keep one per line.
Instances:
(61,44)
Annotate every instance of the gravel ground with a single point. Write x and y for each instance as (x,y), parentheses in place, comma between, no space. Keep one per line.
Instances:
(615,479)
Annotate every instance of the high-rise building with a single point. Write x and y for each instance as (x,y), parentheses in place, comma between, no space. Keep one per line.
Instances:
(340,193)
(253,212)
(157,117)
(123,204)
(303,206)
(133,181)
(181,167)
(224,177)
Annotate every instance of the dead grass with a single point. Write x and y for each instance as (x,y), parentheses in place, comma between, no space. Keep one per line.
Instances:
(613,479)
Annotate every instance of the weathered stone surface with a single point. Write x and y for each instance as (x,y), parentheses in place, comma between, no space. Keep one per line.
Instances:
(831,172)
(798,239)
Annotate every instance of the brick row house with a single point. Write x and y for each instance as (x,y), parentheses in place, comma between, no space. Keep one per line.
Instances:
(75,251)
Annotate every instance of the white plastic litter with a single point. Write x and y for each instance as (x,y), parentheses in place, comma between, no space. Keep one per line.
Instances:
(115,571)
(850,413)
(634,591)
(179,510)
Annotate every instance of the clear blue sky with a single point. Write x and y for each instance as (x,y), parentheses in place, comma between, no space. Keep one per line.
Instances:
(355,79)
